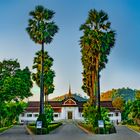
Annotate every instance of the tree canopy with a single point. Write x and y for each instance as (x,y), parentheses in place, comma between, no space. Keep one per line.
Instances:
(41,28)
(15,84)
(49,74)
(96,43)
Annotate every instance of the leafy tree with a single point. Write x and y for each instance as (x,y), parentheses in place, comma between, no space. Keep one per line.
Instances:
(91,114)
(137,96)
(126,111)
(96,43)
(136,109)
(8,68)
(118,103)
(107,96)
(15,84)
(10,112)
(131,112)
(49,114)
(48,73)
(41,30)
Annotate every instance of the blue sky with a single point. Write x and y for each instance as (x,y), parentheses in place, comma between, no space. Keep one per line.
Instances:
(123,68)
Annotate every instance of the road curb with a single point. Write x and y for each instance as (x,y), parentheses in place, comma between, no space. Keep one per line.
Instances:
(29,131)
(85,130)
(133,130)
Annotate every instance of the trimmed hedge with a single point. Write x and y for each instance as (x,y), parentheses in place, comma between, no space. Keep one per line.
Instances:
(109,129)
(54,126)
(43,130)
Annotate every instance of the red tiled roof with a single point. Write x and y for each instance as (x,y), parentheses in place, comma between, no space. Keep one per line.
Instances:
(33,103)
(57,110)
(106,103)
(56,105)
(32,109)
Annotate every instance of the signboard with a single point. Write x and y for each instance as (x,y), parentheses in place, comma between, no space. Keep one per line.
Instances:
(39,124)
(101,123)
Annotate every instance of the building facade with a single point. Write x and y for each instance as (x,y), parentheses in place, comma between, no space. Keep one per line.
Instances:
(70,107)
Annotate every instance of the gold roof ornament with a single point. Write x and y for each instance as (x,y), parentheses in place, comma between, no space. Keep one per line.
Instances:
(70,94)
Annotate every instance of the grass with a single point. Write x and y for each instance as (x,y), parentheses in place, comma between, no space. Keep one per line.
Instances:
(5,128)
(134,127)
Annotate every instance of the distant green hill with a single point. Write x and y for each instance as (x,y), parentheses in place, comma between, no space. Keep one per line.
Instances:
(125,93)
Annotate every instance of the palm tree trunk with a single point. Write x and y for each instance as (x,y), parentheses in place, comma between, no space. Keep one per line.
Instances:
(98,85)
(46,96)
(93,86)
(42,82)
(96,88)
(99,106)
(46,99)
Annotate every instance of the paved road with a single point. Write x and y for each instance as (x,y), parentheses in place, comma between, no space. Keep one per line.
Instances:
(69,132)
(15,133)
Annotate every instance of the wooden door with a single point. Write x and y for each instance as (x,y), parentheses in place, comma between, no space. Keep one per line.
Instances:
(69,114)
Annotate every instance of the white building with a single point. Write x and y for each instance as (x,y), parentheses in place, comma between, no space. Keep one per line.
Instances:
(69,107)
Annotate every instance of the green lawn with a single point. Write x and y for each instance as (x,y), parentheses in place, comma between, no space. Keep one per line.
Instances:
(4,128)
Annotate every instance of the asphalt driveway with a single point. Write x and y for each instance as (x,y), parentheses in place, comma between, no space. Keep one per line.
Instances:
(69,131)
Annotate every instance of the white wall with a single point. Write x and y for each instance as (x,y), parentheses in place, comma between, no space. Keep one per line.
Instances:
(26,119)
(64,115)
(76,115)
(113,118)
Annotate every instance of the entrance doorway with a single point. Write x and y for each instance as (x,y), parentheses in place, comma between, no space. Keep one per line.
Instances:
(69,115)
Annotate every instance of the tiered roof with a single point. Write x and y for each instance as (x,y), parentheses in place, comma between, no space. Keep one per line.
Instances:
(68,101)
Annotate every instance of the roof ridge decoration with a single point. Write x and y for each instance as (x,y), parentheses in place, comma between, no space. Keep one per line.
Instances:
(69,93)
(70,102)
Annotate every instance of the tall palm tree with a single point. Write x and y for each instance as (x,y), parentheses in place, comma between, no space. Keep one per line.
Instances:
(41,30)
(96,43)
(49,74)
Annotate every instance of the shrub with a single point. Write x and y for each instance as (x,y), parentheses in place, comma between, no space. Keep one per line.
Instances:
(54,126)
(92,115)
(34,130)
(110,129)
(130,121)
(44,130)
(32,124)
